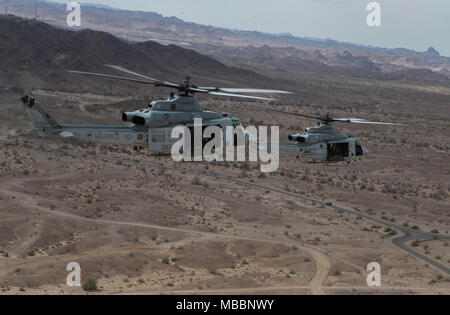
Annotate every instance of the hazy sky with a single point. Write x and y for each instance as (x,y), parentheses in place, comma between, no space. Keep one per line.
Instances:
(415,24)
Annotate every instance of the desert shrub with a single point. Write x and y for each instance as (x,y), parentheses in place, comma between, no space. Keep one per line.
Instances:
(166,261)
(337,273)
(90,285)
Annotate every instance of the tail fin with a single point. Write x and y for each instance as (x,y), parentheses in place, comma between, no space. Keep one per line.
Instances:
(39,117)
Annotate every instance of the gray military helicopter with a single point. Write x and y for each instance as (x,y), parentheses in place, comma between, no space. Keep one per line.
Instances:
(151,126)
(323,142)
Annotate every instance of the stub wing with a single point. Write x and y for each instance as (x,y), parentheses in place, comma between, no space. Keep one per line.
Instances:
(212,122)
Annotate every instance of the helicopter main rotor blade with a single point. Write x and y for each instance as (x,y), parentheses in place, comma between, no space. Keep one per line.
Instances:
(122,69)
(331,119)
(118,78)
(185,87)
(239,90)
(289,113)
(242,96)
(197,90)
(202,90)
(363,121)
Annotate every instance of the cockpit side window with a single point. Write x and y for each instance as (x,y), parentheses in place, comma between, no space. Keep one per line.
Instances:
(358,149)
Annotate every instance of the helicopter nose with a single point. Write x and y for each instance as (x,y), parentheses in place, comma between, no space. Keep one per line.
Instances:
(365,151)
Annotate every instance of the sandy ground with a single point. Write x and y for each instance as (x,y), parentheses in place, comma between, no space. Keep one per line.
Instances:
(143,224)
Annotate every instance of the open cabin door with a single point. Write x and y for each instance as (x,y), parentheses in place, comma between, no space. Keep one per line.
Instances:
(337,151)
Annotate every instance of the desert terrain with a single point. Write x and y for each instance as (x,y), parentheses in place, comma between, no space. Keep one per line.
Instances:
(141,224)
(145,224)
